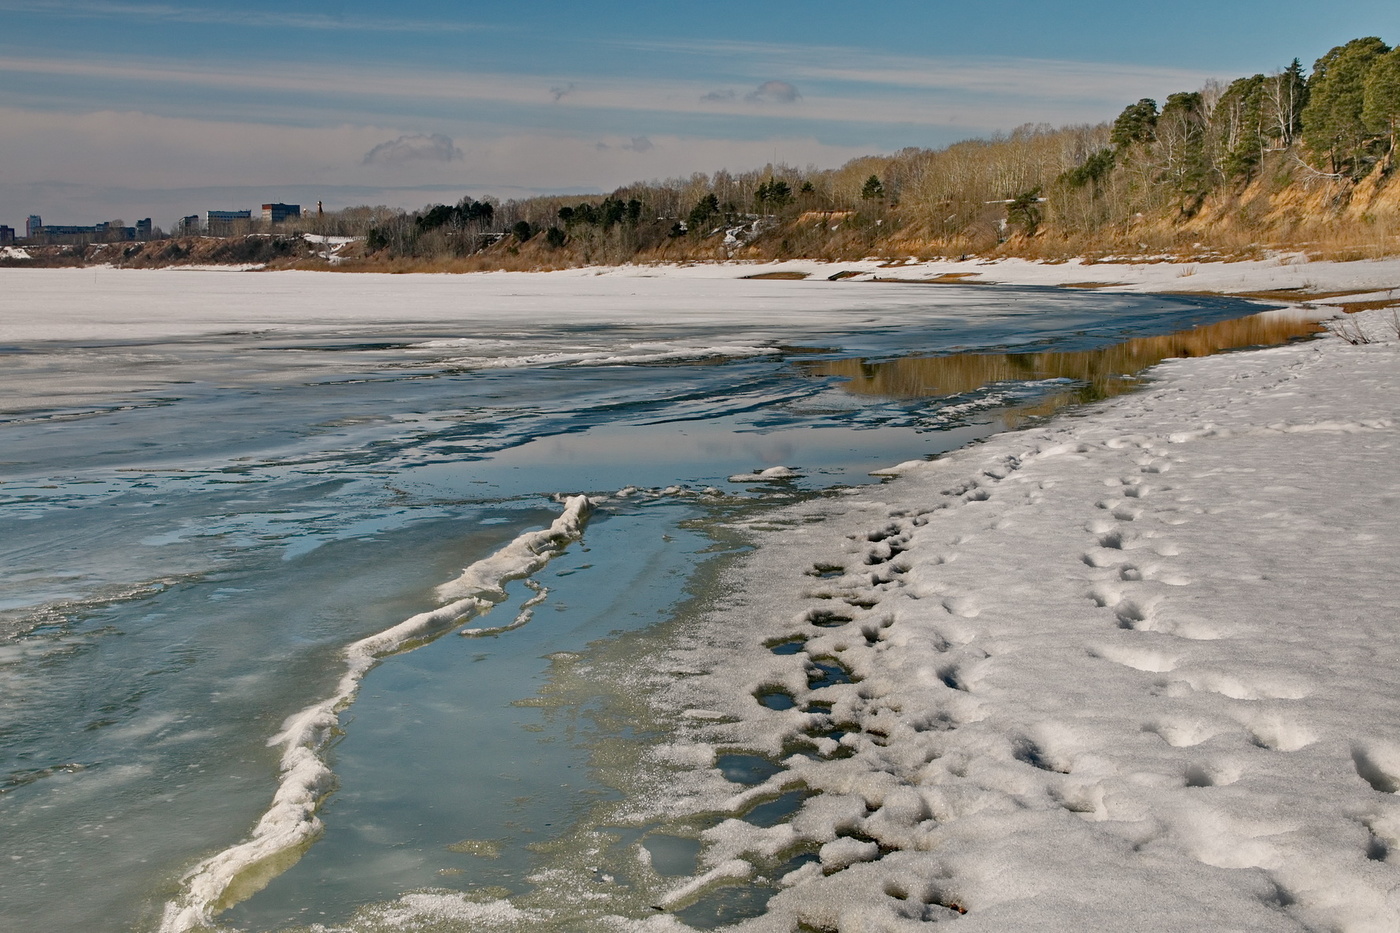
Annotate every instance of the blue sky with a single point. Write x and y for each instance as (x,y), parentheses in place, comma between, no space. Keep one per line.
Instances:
(132,108)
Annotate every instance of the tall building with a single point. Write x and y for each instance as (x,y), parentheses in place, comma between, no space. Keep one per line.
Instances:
(188,226)
(7,235)
(222,223)
(143,229)
(33,225)
(276,213)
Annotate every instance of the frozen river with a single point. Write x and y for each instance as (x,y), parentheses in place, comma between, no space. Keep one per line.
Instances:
(213,482)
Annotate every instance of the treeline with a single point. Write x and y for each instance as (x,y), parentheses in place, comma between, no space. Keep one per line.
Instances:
(1264,159)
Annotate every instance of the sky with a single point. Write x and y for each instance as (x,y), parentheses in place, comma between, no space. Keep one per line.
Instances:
(134,108)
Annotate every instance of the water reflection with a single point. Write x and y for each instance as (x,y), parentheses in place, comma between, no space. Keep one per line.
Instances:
(1083,375)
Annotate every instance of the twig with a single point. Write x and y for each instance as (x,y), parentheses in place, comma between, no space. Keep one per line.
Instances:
(1350,330)
(1315,172)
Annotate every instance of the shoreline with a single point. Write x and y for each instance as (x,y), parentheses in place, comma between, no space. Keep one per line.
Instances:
(1131,667)
(882,551)
(1280,276)
(1124,667)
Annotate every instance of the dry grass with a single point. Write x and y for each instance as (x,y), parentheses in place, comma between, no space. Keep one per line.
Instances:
(1351,307)
(1299,293)
(946,278)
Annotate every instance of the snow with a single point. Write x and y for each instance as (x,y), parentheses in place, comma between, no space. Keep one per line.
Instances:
(1131,670)
(141,303)
(764,476)
(14,252)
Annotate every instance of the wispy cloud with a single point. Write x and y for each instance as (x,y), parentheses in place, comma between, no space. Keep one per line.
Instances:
(151,164)
(1034,78)
(773,92)
(417,148)
(173,13)
(396,92)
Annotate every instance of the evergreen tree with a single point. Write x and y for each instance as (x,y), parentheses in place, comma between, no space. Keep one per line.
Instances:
(1333,127)
(873,188)
(1136,124)
(702,214)
(1093,171)
(774,193)
(1240,126)
(611,212)
(1381,100)
(1024,211)
(1180,147)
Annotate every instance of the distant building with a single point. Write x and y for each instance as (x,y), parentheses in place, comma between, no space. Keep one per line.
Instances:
(33,225)
(276,213)
(222,223)
(187,226)
(77,234)
(143,229)
(7,235)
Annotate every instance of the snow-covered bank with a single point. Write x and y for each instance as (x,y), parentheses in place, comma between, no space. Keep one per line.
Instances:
(1281,273)
(1130,670)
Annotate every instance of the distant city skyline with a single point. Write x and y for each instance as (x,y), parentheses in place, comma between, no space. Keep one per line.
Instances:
(129,109)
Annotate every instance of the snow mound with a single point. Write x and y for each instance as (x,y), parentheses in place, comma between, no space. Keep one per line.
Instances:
(763,476)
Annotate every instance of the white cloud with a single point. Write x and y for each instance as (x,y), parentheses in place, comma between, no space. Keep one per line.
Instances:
(434,148)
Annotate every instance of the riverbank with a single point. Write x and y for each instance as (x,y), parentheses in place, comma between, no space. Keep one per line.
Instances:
(1131,669)
(136,352)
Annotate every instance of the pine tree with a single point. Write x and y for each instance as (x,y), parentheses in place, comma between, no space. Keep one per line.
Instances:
(1136,124)
(1024,211)
(1333,127)
(1239,126)
(1180,148)
(873,188)
(1381,98)
(701,214)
